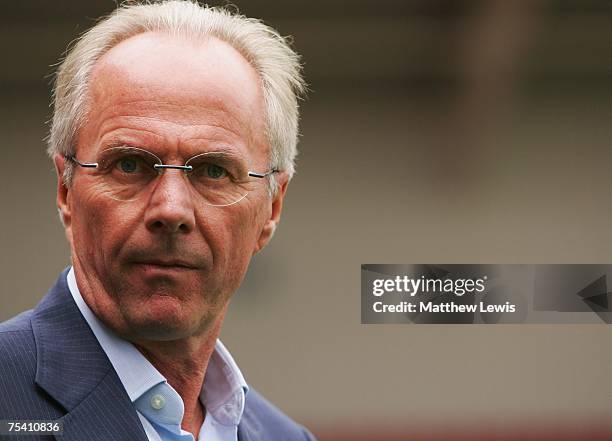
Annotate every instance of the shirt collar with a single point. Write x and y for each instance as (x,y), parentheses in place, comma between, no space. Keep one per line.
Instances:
(224,388)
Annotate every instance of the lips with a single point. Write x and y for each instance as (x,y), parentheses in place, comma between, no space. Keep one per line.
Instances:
(170,264)
(161,257)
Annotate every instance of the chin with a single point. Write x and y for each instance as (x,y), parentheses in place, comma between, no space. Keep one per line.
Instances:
(150,332)
(154,328)
(164,320)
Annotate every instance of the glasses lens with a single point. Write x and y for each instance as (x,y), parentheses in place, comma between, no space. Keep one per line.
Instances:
(125,171)
(221,179)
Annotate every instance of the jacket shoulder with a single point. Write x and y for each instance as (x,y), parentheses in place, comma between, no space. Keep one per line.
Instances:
(17,351)
(18,323)
(17,347)
(270,421)
(21,398)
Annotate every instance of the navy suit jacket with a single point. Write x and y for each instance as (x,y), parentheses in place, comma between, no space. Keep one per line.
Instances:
(53,368)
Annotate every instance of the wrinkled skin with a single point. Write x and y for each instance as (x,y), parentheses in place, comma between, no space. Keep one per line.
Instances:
(163,267)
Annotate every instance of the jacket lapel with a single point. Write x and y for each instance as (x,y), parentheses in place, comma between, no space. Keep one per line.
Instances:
(243,434)
(105,414)
(74,370)
(249,428)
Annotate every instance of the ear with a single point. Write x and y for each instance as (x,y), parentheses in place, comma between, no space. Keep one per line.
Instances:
(282,181)
(63,191)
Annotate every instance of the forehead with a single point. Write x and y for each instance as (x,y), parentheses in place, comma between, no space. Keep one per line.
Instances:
(175,87)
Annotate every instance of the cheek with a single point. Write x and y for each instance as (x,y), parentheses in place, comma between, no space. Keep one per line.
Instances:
(235,232)
(250,226)
(99,226)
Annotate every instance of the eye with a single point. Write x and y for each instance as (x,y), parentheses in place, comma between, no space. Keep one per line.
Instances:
(128,165)
(215,171)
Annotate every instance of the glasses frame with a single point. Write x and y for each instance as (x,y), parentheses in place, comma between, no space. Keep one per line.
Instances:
(161,167)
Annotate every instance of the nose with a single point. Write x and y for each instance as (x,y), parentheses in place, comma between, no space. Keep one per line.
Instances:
(170,207)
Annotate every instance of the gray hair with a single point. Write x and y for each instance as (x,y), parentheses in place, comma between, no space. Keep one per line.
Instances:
(263,47)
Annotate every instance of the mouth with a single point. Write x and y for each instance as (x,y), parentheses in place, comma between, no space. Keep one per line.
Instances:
(165,265)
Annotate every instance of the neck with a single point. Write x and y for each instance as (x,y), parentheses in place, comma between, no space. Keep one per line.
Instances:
(184,363)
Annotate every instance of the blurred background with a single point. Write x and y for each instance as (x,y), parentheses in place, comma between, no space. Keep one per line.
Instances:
(436,131)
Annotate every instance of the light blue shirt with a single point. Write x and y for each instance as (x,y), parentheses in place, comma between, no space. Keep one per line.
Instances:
(159,407)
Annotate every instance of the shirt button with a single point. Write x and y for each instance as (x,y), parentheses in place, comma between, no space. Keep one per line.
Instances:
(158,402)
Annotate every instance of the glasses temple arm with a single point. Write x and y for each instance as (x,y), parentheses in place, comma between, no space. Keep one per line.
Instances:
(262,175)
(81,164)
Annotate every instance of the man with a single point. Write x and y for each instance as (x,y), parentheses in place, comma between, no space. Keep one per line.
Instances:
(173,136)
